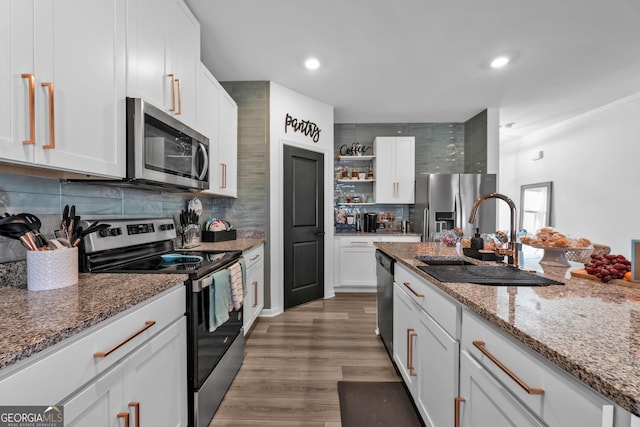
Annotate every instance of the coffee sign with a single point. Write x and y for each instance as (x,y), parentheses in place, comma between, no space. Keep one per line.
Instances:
(305,127)
(355,150)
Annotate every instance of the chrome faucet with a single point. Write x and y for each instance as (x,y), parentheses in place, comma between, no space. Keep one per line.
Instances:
(512,247)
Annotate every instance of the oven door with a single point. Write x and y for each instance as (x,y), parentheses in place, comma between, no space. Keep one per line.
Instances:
(215,357)
(161,149)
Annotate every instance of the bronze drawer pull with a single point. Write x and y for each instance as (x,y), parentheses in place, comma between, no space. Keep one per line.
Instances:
(147,325)
(480,345)
(456,410)
(52,132)
(408,285)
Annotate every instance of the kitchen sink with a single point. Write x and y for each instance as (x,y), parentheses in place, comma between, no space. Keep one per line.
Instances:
(431,260)
(486,275)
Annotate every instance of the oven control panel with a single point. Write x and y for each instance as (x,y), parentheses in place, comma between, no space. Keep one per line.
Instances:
(129,232)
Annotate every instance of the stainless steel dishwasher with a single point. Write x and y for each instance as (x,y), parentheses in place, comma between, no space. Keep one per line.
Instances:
(384,278)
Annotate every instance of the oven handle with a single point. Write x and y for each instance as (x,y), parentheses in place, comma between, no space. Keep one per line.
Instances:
(201,284)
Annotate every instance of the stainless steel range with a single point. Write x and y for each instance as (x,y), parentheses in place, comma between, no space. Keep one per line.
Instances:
(146,246)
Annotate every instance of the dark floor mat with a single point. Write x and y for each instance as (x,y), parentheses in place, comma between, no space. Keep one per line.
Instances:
(371,404)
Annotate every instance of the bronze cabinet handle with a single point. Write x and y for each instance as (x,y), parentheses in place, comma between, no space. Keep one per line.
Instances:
(124,415)
(480,345)
(147,325)
(456,410)
(179,98)
(32,109)
(410,335)
(224,175)
(255,294)
(136,407)
(173,92)
(408,285)
(52,133)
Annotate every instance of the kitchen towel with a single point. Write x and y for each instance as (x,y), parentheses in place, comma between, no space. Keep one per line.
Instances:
(236,279)
(219,299)
(243,266)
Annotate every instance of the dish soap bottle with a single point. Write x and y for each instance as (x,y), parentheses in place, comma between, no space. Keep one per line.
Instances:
(477,242)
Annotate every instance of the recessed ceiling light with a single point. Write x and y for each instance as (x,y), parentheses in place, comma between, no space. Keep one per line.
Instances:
(500,62)
(312,64)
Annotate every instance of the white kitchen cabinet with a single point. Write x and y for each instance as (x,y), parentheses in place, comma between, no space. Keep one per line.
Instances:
(228,146)
(405,314)
(93,387)
(426,354)
(64,113)
(134,390)
(540,387)
(484,401)
(254,298)
(217,118)
(355,260)
(394,169)
(163,49)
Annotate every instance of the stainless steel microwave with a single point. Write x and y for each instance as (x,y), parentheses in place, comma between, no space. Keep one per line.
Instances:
(162,151)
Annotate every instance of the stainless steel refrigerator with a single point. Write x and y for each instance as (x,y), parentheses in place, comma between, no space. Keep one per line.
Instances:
(444,201)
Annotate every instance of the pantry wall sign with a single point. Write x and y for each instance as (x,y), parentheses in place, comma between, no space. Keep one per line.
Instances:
(305,127)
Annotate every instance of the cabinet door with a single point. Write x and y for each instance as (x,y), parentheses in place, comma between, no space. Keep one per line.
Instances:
(228,146)
(155,378)
(98,404)
(404,163)
(404,332)
(207,121)
(16,54)
(357,266)
(485,401)
(80,51)
(146,73)
(183,59)
(384,170)
(436,361)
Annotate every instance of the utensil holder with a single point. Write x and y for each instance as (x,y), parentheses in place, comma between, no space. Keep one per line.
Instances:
(52,269)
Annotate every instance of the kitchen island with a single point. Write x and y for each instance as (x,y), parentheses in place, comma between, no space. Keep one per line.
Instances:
(589,329)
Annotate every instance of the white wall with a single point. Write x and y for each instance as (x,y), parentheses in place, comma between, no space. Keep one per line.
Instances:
(284,101)
(593,161)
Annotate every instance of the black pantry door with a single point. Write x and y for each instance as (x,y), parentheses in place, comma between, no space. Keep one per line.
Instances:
(303,212)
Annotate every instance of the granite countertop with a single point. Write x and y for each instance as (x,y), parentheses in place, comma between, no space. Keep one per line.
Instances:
(587,328)
(32,321)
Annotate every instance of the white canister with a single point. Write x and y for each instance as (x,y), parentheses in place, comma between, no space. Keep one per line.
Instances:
(52,269)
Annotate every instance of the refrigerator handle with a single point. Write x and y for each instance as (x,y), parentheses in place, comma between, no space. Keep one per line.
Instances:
(425,225)
(458,210)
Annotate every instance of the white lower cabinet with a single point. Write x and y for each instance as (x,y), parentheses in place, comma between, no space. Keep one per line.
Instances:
(134,362)
(355,261)
(495,364)
(427,358)
(146,388)
(486,403)
(461,370)
(254,297)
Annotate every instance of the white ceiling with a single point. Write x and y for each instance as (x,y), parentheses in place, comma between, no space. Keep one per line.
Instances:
(404,61)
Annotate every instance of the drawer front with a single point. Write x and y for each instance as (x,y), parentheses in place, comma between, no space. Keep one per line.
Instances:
(358,241)
(399,238)
(553,394)
(71,363)
(253,256)
(441,308)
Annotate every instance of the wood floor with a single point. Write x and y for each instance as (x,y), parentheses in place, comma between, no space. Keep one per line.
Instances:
(293,363)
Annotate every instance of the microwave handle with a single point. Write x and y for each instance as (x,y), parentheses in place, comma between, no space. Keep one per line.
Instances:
(205,166)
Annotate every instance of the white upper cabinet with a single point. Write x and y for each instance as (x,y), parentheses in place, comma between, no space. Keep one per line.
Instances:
(217,118)
(62,105)
(394,169)
(163,45)
(228,146)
